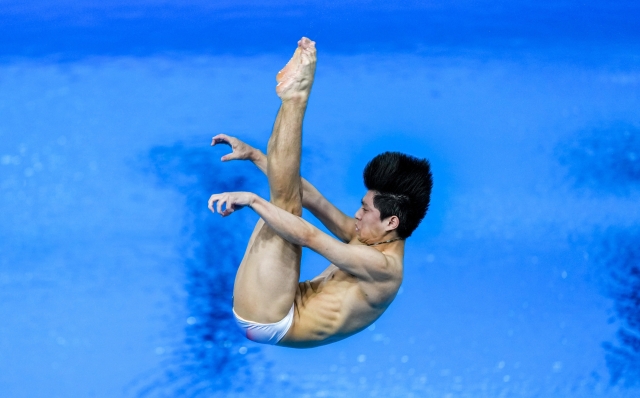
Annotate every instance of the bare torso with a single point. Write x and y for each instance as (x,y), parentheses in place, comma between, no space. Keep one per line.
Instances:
(336,304)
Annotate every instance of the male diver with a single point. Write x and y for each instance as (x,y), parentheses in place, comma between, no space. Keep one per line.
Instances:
(270,304)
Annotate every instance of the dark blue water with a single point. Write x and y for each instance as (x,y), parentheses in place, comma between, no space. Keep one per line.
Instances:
(522,281)
(76,29)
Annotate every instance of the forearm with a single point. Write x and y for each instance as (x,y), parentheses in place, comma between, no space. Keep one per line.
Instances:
(290,227)
(336,221)
(358,260)
(259,159)
(310,194)
(329,215)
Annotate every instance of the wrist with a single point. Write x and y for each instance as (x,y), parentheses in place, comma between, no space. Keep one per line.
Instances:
(256,155)
(253,198)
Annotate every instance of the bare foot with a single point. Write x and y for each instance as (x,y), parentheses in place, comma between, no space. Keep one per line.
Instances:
(296,78)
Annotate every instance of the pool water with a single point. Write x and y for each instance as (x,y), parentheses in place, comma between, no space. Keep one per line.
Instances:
(522,280)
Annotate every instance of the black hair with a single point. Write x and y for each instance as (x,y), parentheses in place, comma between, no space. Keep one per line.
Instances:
(403,188)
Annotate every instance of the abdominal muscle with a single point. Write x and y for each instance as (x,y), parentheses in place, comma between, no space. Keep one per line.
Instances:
(329,308)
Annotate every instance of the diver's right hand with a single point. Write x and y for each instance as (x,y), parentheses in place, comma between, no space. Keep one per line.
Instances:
(239,150)
(228,202)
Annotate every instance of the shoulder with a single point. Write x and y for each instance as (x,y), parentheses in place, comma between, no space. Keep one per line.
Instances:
(395,264)
(380,291)
(389,266)
(391,260)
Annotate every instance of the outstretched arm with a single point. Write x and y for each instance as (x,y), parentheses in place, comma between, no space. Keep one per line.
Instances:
(341,225)
(361,261)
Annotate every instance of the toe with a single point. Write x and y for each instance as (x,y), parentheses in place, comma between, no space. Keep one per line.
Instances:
(306,43)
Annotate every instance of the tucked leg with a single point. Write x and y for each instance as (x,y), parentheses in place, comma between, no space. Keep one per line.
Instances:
(268,275)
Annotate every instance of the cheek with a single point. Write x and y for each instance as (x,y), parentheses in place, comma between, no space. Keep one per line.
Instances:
(375,223)
(369,219)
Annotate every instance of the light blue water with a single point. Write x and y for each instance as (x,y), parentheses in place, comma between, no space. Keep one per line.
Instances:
(522,280)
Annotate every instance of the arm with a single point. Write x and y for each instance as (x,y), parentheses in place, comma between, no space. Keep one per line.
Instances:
(363,262)
(341,225)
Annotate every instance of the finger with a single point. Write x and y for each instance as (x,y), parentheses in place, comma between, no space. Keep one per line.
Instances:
(221,202)
(212,200)
(228,210)
(229,156)
(221,139)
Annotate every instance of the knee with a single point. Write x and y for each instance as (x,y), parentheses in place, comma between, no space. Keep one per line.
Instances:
(292,205)
(296,210)
(293,208)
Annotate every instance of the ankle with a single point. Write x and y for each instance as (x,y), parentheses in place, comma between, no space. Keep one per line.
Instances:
(297,99)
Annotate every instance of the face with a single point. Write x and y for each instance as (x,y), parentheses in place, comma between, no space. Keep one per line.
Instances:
(369,227)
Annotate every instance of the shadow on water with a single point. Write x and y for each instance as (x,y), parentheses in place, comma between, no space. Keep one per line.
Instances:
(604,160)
(607,161)
(620,254)
(213,359)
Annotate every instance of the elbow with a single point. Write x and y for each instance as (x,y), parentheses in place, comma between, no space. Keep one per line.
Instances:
(308,236)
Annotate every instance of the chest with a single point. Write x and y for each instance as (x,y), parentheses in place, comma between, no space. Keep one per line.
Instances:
(333,281)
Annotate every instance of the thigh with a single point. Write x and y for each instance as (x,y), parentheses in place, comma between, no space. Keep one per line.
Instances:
(267,279)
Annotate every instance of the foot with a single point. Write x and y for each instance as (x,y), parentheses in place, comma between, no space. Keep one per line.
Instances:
(296,78)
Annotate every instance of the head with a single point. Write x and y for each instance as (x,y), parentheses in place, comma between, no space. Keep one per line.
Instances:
(399,190)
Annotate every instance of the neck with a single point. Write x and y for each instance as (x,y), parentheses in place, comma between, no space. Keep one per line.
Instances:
(383,242)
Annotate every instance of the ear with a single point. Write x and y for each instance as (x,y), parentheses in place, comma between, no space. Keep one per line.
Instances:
(392,222)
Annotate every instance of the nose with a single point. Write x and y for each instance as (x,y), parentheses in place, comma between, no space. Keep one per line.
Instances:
(358,214)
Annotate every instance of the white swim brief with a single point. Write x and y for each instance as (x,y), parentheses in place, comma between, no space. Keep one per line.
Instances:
(265,333)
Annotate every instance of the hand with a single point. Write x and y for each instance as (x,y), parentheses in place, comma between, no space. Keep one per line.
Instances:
(240,150)
(233,201)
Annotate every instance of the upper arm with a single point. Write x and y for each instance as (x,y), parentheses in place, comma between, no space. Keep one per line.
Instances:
(341,225)
(359,260)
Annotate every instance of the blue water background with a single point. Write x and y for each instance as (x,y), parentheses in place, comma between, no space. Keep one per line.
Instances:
(522,281)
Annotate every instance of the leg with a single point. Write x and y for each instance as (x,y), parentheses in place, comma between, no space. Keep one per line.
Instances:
(268,275)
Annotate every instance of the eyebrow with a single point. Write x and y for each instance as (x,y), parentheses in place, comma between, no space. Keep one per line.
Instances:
(362,202)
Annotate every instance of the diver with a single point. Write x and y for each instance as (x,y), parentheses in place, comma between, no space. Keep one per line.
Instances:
(270,304)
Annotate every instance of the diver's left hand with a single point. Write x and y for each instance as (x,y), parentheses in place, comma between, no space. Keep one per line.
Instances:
(239,150)
(232,201)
